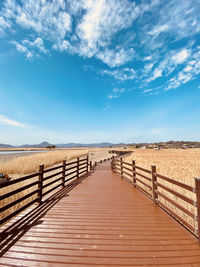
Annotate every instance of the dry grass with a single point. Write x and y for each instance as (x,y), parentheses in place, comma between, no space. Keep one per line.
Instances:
(20,166)
(28,164)
(178,164)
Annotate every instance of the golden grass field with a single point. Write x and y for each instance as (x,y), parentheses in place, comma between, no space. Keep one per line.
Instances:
(29,164)
(178,164)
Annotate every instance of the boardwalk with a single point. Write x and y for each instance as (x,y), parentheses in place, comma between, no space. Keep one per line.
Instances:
(103,221)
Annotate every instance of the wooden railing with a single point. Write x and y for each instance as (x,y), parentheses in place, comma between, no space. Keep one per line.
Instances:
(19,194)
(180,200)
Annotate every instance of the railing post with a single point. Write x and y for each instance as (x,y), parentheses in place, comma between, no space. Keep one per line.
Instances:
(134,174)
(40,182)
(121,163)
(197,184)
(90,165)
(63,173)
(87,163)
(78,167)
(154,184)
(111,165)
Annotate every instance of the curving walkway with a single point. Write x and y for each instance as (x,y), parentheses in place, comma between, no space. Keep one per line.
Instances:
(103,221)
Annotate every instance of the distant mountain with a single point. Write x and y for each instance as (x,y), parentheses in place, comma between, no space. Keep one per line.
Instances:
(73,145)
(68,145)
(5,146)
(167,144)
(41,145)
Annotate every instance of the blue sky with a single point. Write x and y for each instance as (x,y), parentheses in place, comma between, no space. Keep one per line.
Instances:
(99,70)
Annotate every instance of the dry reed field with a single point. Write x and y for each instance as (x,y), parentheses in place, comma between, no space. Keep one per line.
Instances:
(28,164)
(21,166)
(178,164)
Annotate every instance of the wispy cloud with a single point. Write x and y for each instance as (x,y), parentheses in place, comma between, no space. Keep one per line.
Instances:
(116,57)
(31,48)
(23,49)
(139,41)
(38,43)
(121,74)
(181,56)
(116,93)
(188,73)
(7,121)
(82,27)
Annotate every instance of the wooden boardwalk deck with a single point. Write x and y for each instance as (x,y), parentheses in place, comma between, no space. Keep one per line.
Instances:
(103,221)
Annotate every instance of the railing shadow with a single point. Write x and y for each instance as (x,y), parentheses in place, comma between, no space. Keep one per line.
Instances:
(10,235)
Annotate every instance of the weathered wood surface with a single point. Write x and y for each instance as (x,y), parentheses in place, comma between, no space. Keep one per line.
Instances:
(103,221)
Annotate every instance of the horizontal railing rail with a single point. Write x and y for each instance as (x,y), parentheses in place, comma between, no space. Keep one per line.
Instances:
(180,200)
(20,193)
(34,187)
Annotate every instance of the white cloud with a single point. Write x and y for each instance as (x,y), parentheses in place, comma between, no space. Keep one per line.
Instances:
(37,43)
(121,74)
(62,46)
(104,18)
(147,91)
(44,17)
(112,31)
(181,56)
(116,93)
(112,96)
(167,65)
(158,29)
(188,73)
(147,58)
(31,48)
(156,74)
(115,90)
(5,120)
(82,27)
(23,49)
(116,57)
(177,19)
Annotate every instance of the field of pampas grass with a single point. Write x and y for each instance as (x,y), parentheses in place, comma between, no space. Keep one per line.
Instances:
(21,166)
(28,164)
(177,164)
(180,164)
